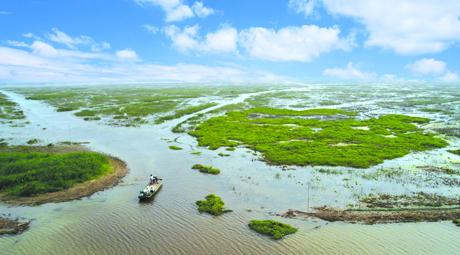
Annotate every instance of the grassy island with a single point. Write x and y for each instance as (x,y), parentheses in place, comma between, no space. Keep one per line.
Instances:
(274,229)
(212,204)
(206,169)
(56,173)
(318,136)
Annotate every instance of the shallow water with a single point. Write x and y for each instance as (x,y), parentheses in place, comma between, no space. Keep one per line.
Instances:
(114,222)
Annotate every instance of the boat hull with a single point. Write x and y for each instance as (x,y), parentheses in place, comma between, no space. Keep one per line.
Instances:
(150,191)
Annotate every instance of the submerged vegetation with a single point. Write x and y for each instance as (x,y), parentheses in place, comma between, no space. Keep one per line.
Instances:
(33,141)
(212,204)
(274,229)
(206,169)
(182,112)
(420,199)
(175,148)
(457,152)
(388,208)
(29,171)
(9,110)
(317,136)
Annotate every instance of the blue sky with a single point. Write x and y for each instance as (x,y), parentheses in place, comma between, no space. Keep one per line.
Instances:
(229,41)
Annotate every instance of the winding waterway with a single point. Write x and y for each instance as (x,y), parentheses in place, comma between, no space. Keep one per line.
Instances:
(114,222)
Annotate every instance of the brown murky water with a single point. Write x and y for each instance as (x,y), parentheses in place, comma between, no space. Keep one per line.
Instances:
(114,222)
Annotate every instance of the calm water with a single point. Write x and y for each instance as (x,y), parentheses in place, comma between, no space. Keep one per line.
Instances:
(113,222)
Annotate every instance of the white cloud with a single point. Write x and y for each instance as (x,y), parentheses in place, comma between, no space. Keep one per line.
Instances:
(302,43)
(222,40)
(183,39)
(58,36)
(22,65)
(16,57)
(348,73)
(427,66)
(200,10)
(179,13)
(432,68)
(28,35)
(17,43)
(152,29)
(449,77)
(405,26)
(176,10)
(305,7)
(127,54)
(187,39)
(43,49)
(43,63)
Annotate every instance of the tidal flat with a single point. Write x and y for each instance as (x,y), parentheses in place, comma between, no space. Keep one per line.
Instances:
(385,145)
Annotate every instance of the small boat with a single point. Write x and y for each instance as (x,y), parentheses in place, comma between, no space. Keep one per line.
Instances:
(150,190)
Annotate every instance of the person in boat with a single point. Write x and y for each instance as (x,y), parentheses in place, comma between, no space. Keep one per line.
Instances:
(153,179)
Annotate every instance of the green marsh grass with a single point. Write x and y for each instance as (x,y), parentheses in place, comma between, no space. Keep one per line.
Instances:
(175,148)
(25,172)
(212,204)
(330,137)
(206,169)
(276,230)
(129,106)
(182,112)
(9,110)
(457,152)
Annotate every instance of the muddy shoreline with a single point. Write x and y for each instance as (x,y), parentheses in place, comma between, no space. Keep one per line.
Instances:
(378,216)
(78,191)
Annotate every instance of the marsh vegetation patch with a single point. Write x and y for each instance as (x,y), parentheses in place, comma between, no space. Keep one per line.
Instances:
(175,148)
(420,199)
(212,204)
(133,106)
(206,169)
(456,152)
(315,141)
(31,171)
(9,110)
(276,230)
